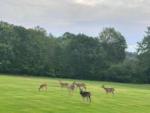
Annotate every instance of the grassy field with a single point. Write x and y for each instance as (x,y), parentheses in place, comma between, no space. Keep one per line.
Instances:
(20,95)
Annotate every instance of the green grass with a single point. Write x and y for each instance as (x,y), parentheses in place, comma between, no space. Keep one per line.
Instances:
(20,95)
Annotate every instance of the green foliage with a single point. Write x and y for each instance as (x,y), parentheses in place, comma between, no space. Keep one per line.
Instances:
(35,52)
(144,56)
(83,56)
(114,44)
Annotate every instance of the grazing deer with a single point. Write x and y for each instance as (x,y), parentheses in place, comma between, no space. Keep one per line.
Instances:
(80,85)
(43,86)
(62,84)
(85,94)
(108,90)
(71,87)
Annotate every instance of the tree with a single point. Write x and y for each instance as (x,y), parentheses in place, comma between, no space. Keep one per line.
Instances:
(83,56)
(144,55)
(114,44)
(34,52)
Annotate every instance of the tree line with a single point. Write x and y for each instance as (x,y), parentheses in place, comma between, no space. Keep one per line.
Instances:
(35,52)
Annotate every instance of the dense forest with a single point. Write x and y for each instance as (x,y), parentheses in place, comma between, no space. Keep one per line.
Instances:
(35,52)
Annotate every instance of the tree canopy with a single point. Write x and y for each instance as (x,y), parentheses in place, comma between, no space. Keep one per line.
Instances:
(33,51)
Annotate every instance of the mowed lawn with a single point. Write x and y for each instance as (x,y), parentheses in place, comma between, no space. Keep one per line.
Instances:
(21,95)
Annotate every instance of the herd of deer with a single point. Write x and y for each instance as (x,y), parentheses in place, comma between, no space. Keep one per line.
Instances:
(82,87)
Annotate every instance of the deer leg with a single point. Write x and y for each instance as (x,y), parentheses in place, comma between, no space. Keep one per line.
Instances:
(87,98)
(113,93)
(46,88)
(82,98)
(70,91)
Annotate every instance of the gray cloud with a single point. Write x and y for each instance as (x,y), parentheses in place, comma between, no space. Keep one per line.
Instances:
(72,11)
(89,16)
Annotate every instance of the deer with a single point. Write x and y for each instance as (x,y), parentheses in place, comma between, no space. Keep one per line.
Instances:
(71,87)
(85,94)
(108,90)
(81,85)
(62,84)
(43,86)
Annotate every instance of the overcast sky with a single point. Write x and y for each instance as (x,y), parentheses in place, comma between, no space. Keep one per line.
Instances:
(130,17)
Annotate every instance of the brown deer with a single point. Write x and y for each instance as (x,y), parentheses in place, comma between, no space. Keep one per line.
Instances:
(80,85)
(85,94)
(43,86)
(71,87)
(63,85)
(108,90)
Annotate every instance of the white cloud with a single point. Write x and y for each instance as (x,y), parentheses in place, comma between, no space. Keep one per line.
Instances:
(112,3)
(88,2)
(74,11)
(87,16)
(132,48)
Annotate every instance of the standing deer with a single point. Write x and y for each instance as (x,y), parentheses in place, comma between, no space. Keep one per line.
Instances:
(62,84)
(71,87)
(80,85)
(85,94)
(43,86)
(108,90)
